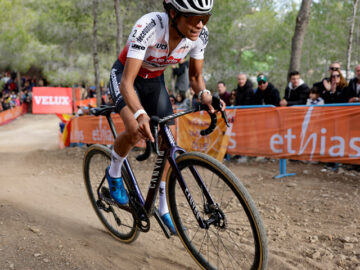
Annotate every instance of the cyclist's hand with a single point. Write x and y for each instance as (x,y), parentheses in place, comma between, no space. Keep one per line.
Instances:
(206,99)
(144,127)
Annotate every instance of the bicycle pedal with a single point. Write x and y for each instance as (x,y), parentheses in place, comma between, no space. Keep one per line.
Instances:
(105,192)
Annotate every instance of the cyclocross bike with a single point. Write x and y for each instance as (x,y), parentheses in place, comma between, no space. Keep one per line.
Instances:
(214,215)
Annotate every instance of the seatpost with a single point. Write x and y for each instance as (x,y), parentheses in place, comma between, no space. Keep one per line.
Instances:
(111,124)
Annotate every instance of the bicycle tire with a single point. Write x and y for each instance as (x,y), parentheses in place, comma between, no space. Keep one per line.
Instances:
(241,243)
(96,160)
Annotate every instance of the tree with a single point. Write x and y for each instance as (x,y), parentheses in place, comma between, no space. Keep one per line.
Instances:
(95,53)
(350,40)
(119,27)
(302,21)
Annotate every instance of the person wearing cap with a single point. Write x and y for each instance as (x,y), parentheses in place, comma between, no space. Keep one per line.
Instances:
(297,92)
(137,84)
(266,93)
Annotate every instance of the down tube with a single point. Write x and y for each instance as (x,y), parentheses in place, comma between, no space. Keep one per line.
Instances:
(184,187)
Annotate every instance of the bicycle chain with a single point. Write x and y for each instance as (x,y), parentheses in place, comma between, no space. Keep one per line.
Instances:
(142,219)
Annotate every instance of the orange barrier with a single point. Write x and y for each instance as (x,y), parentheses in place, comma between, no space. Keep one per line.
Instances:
(12,114)
(90,129)
(326,134)
(86,102)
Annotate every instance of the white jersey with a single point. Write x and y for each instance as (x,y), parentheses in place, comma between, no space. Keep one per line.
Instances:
(149,41)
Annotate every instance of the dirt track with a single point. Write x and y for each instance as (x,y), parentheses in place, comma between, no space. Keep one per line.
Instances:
(46,221)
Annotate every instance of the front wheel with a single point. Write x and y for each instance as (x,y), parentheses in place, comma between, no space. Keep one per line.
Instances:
(119,221)
(235,237)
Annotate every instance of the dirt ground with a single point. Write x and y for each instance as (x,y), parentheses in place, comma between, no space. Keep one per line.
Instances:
(46,221)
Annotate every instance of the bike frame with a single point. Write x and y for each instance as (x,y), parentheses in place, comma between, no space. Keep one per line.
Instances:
(168,151)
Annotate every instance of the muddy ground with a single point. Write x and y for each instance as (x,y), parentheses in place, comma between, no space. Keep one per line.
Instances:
(46,221)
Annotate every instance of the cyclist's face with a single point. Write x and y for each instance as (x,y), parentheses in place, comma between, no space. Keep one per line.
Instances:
(191,26)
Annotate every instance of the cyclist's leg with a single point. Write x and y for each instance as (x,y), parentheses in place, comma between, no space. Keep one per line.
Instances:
(155,93)
(124,142)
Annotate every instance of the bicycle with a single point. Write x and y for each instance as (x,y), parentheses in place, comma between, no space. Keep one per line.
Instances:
(214,215)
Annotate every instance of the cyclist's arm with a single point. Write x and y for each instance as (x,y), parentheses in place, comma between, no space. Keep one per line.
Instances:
(195,75)
(197,82)
(132,67)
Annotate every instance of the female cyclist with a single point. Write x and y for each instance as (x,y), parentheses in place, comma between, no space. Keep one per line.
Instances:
(137,85)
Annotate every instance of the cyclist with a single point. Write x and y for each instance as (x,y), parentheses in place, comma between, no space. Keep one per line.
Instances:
(137,85)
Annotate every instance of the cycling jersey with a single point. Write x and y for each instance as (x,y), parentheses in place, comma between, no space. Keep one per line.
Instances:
(149,41)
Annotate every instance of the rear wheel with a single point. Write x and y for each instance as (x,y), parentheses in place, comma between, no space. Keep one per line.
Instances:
(118,220)
(235,237)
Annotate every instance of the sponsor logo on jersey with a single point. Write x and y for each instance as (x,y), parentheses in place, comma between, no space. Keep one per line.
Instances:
(139,25)
(162,61)
(146,30)
(161,21)
(137,47)
(204,36)
(161,46)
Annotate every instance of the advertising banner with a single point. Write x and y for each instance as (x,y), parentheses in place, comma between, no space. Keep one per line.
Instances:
(52,100)
(11,114)
(326,134)
(189,127)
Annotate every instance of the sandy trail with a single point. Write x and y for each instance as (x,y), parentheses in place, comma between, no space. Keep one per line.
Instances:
(46,221)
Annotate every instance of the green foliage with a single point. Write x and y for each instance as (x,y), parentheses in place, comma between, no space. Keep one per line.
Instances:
(248,36)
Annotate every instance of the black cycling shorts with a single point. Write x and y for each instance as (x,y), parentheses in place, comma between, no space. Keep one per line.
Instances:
(152,93)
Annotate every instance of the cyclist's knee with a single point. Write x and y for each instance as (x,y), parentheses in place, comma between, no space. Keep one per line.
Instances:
(132,135)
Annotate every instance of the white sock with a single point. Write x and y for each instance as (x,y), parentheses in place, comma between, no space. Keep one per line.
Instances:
(116,164)
(163,208)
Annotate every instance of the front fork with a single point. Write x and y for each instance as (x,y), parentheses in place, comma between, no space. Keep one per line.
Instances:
(210,206)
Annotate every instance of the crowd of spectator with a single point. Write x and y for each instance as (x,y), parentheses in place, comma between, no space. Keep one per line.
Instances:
(14,92)
(331,89)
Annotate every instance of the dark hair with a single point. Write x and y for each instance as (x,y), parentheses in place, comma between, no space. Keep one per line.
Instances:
(315,90)
(221,82)
(293,73)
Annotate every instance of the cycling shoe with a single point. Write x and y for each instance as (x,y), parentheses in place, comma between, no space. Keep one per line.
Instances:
(117,189)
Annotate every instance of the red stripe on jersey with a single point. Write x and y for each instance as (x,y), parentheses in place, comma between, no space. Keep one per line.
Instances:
(143,72)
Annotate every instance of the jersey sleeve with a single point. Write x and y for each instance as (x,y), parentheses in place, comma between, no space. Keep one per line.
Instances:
(140,36)
(197,52)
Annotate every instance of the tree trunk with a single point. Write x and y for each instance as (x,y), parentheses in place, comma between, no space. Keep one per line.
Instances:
(95,53)
(119,27)
(302,21)
(350,41)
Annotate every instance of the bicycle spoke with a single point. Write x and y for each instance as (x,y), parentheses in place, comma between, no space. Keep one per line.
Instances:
(231,240)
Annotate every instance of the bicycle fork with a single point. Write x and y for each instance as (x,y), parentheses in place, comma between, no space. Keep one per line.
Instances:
(217,217)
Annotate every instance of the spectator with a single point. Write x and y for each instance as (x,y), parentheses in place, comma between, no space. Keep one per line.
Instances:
(224,95)
(233,97)
(314,97)
(266,93)
(244,91)
(321,85)
(297,92)
(335,89)
(173,101)
(179,98)
(353,90)
(181,74)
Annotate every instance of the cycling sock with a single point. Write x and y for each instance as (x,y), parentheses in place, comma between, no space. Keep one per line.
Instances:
(115,165)
(163,208)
